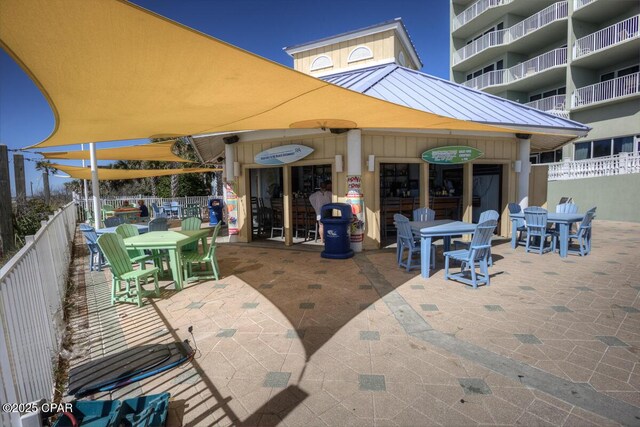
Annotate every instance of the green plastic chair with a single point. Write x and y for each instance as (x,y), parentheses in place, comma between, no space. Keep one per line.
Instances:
(107,210)
(112,247)
(135,255)
(190,258)
(189,224)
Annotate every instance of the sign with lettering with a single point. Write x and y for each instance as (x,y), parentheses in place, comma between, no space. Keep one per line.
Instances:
(452,155)
(283,154)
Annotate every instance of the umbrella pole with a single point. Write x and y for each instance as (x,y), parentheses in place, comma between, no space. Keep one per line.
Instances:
(95,187)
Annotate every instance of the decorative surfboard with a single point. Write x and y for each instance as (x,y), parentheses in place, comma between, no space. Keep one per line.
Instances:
(452,155)
(283,154)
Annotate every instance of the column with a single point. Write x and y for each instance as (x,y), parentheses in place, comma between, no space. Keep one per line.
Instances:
(95,186)
(354,188)
(230,196)
(524,151)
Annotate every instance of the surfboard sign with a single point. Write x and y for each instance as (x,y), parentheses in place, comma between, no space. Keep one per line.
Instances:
(452,155)
(283,154)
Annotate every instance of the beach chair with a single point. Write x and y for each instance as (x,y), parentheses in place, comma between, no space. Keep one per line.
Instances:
(477,256)
(209,257)
(122,271)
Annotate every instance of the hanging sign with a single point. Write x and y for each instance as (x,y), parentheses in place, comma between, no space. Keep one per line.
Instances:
(452,155)
(283,154)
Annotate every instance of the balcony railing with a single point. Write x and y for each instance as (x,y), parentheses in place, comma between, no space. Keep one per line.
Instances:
(545,17)
(608,90)
(476,9)
(525,69)
(619,164)
(553,105)
(612,35)
(577,4)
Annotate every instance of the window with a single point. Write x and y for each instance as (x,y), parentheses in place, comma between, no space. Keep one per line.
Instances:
(547,157)
(602,148)
(534,159)
(582,151)
(548,94)
(360,53)
(606,147)
(623,145)
(559,155)
(488,69)
(322,61)
(500,65)
(535,98)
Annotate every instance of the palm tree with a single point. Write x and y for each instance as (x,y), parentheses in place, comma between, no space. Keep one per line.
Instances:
(46,168)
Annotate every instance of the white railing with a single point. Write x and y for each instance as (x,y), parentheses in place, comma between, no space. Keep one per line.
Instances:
(577,4)
(476,9)
(610,36)
(533,23)
(607,90)
(528,68)
(116,202)
(492,78)
(620,164)
(32,289)
(553,105)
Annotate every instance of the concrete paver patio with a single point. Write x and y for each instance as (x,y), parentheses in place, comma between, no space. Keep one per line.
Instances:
(288,338)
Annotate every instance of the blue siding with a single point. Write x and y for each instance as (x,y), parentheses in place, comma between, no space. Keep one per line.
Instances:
(427,93)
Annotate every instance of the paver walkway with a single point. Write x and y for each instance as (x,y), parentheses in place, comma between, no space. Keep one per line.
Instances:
(288,338)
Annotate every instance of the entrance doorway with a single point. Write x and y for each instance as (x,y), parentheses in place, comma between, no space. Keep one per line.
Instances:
(445,191)
(487,193)
(267,216)
(399,194)
(305,180)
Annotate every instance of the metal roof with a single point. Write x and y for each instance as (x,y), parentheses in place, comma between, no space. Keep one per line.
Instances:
(428,93)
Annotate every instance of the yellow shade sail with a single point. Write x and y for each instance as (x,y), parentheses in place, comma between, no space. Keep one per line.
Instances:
(114,71)
(105,174)
(160,151)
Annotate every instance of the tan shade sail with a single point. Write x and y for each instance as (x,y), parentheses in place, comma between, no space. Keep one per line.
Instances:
(105,174)
(114,71)
(160,151)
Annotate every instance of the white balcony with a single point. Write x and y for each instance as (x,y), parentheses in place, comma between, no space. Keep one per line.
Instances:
(528,68)
(609,90)
(533,23)
(553,105)
(619,164)
(610,36)
(476,9)
(577,4)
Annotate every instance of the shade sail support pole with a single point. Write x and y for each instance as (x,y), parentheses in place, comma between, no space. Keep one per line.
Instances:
(95,185)
(85,186)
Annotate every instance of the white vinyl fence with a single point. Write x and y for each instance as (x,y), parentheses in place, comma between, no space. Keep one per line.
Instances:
(32,290)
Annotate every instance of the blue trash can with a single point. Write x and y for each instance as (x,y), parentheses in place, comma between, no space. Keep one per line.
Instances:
(337,244)
(215,211)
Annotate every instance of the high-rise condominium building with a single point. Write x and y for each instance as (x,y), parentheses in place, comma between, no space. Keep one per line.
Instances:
(578,59)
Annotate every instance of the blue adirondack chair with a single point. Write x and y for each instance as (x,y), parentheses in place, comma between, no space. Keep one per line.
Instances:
(166,208)
(488,215)
(424,214)
(515,208)
(570,208)
(536,221)
(159,224)
(96,258)
(406,240)
(477,256)
(158,212)
(113,221)
(583,235)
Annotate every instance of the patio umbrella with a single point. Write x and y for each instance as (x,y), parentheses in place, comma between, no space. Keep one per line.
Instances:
(105,174)
(160,151)
(114,71)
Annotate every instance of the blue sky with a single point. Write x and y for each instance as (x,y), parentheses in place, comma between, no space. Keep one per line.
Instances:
(263,27)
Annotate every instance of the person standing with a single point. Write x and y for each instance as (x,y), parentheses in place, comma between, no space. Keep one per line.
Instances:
(318,199)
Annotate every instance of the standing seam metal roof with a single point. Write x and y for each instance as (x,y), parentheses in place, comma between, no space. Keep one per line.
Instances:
(428,93)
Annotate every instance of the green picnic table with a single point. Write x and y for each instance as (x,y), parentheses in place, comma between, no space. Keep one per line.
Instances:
(172,241)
